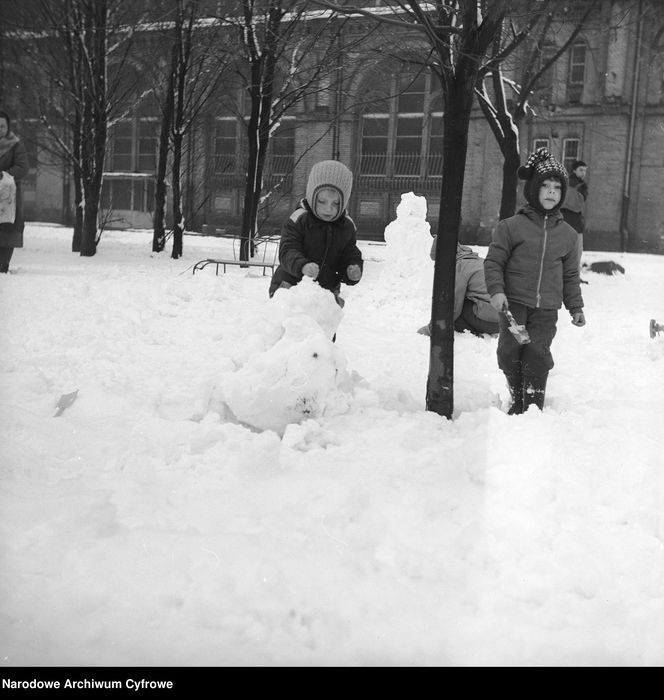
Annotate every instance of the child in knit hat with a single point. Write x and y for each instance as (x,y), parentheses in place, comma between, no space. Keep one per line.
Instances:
(319,240)
(532,269)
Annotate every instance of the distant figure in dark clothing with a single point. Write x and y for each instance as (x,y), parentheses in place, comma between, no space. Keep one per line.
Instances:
(574,206)
(13,168)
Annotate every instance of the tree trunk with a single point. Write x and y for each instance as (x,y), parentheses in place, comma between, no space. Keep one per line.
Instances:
(160,194)
(511,162)
(93,147)
(78,186)
(92,192)
(78,216)
(252,195)
(178,224)
(440,382)
(89,233)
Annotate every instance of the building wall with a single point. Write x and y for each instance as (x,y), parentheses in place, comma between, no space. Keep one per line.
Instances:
(601,120)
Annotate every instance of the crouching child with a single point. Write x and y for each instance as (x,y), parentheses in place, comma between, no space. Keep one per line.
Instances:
(319,240)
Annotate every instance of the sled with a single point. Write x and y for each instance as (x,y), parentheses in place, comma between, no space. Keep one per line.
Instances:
(269,245)
(655,328)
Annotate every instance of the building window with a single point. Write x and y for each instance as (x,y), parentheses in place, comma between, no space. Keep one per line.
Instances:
(134,144)
(544,86)
(281,156)
(226,142)
(129,184)
(127,193)
(324,91)
(540,143)
(577,71)
(571,152)
(230,153)
(403,137)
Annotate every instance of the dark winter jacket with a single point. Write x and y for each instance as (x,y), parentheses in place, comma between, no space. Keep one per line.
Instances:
(574,206)
(534,260)
(13,160)
(306,238)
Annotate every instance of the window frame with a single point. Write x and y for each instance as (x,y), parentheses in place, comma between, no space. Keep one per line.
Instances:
(569,159)
(397,163)
(541,142)
(575,85)
(135,140)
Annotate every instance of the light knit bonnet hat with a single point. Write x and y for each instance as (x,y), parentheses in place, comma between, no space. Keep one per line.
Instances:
(330,173)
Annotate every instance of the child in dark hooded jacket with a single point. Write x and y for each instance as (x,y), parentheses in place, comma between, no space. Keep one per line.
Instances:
(320,240)
(532,269)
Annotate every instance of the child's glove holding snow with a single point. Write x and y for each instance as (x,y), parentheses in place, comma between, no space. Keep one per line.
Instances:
(311,270)
(354,273)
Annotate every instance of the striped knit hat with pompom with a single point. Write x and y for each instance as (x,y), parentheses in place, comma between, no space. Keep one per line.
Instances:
(540,166)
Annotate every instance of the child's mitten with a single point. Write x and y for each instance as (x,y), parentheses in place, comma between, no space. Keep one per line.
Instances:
(578,319)
(499,302)
(354,273)
(311,269)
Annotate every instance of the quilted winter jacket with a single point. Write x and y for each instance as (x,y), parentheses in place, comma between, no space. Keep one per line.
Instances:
(533,259)
(306,238)
(470,284)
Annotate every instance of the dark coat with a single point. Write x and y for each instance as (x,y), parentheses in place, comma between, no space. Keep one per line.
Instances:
(534,260)
(573,208)
(306,238)
(15,162)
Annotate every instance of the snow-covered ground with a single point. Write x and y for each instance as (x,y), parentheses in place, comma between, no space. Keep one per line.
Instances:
(337,523)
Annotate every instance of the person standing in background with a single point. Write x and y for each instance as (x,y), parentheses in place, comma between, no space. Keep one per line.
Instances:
(13,162)
(574,206)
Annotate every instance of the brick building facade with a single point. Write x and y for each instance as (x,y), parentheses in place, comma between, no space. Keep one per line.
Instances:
(603,102)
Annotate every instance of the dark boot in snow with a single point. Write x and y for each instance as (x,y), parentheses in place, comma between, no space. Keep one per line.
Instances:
(515,384)
(534,389)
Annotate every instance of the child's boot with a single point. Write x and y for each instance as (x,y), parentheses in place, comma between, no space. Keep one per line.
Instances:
(534,389)
(515,384)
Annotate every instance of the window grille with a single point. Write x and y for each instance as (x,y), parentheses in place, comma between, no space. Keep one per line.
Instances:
(402,138)
(571,152)
(577,71)
(134,144)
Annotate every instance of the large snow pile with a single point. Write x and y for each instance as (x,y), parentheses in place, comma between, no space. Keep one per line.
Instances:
(303,374)
(149,525)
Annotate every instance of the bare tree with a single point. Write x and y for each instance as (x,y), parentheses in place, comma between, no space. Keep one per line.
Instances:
(456,37)
(528,28)
(285,56)
(194,72)
(66,48)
